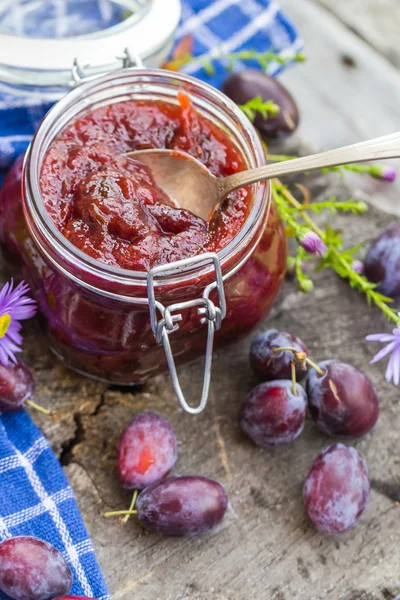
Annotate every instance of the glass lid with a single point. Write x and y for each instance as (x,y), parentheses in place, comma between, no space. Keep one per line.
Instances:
(42,40)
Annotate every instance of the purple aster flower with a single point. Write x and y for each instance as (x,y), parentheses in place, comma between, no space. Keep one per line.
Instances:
(312,243)
(357,266)
(392,348)
(385,173)
(15,306)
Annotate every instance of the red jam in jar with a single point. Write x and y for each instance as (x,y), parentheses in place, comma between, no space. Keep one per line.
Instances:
(109,206)
(96,223)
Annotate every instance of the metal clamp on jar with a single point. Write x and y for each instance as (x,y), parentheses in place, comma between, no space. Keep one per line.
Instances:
(120,325)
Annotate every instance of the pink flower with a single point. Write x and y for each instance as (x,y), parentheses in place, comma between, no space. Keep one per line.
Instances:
(357,266)
(385,173)
(312,243)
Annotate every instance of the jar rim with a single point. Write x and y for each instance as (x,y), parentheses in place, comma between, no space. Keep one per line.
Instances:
(42,224)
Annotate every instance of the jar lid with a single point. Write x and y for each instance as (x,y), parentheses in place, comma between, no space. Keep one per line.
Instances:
(144,30)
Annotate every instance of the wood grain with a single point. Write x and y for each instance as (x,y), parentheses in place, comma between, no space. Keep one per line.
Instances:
(347,92)
(378,23)
(265,548)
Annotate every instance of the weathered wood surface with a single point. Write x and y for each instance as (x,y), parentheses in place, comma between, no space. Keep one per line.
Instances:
(265,548)
(347,91)
(378,23)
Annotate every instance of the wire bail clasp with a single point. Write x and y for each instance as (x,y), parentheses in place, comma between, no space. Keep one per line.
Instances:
(171,316)
(81,73)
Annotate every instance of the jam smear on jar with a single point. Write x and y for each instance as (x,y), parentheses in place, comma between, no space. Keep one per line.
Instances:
(109,207)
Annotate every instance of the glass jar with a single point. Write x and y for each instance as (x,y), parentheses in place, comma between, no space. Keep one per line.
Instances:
(108,322)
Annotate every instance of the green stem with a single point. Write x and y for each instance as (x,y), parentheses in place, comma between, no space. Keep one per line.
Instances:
(294,382)
(292,200)
(283,348)
(370,293)
(345,265)
(280,157)
(44,411)
(132,506)
(125,513)
(314,366)
(263,58)
(288,218)
(119,513)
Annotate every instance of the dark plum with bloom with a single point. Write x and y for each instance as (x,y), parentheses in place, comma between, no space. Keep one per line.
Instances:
(147,451)
(182,506)
(31,569)
(382,263)
(272,414)
(270,365)
(16,387)
(250,83)
(342,401)
(15,306)
(336,489)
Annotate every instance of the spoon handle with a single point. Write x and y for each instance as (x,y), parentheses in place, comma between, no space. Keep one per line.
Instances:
(387,146)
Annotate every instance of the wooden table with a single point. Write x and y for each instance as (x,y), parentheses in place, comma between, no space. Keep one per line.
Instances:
(349,88)
(265,549)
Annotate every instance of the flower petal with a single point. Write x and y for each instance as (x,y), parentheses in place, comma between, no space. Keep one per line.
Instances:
(3,357)
(22,312)
(396,366)
(390,370)
(384,352)
(14,335)
(381,337)
(3,292)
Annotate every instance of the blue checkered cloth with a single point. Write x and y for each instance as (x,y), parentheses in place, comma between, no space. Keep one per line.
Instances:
(35,497)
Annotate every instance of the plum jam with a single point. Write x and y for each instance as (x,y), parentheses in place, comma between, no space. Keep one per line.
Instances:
(91,226)
(109,206)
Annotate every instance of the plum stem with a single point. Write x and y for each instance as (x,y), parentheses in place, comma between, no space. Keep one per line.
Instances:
(41,409)
(120,513)
(284,348)
(315,366)
(300,357)
(132,506)
(294,382)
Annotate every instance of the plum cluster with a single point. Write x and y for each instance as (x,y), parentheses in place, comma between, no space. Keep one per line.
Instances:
(340,399)
(171,506)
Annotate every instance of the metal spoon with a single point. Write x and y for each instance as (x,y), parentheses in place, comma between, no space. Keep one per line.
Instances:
(193,187)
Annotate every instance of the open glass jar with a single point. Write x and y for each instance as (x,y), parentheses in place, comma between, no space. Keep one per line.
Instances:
(110,323)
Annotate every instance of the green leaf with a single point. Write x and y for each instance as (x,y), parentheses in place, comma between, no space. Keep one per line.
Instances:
(262,58)
(333,237)
(333,205)
(305,284)
(207,66)
(257,105)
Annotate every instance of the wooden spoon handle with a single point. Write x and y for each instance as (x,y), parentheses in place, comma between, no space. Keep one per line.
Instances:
(387,146)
